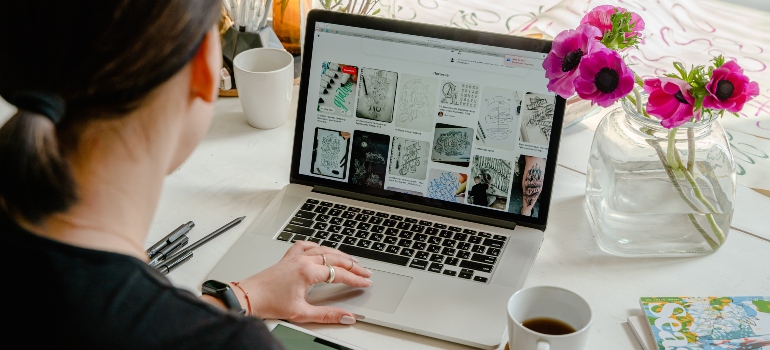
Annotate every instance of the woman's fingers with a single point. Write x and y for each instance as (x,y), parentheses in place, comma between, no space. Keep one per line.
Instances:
(345,262)
(324,314)
(338,258)
(326,250)
(323,273)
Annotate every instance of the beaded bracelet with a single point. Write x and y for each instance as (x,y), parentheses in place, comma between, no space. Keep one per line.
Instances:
(248,302)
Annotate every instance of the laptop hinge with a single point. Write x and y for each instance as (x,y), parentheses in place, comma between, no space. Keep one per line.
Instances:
(415,206)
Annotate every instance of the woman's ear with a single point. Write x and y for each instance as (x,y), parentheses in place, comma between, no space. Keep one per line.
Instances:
(206,64)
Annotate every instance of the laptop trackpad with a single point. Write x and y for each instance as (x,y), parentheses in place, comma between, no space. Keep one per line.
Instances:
(384,295)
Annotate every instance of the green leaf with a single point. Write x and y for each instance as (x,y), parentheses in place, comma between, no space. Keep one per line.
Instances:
(680,68)
(376,12)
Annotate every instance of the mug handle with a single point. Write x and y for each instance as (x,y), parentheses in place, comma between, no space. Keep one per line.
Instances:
(543,345)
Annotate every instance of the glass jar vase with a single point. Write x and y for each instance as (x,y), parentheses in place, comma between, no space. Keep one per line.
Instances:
(651,191)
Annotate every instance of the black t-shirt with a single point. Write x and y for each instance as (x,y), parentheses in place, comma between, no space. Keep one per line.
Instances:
(65,297)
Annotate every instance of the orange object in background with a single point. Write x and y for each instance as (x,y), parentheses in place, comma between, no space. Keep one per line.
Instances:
(463,178)
(286,24)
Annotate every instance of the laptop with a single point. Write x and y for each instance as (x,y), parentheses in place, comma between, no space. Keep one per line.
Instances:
(428,152)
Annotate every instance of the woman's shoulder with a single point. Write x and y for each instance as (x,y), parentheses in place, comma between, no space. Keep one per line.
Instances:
(101,299)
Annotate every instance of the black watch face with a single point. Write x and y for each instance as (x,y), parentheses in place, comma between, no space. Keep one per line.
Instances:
(215,285)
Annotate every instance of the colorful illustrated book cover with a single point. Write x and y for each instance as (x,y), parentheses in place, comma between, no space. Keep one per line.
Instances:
(709,323)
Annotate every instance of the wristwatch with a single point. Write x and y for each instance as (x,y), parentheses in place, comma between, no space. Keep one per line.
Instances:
(223,292)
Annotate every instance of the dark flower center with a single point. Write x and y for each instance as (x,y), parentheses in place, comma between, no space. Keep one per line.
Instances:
(724,89)
(607,80)
(571,60)
(679,96)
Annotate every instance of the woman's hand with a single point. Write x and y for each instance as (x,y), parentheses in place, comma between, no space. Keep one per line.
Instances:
(279,291)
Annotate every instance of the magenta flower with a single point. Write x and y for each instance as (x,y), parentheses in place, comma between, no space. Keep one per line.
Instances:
(567,50)
(729,89)
(601,17)
(603,78)
(670,101)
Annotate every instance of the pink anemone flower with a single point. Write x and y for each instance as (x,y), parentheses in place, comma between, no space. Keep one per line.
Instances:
(600,17)
(568,48)
(729,89)
(603,78)
(670,101)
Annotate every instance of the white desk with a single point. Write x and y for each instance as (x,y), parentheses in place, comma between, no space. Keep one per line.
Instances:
(238,169)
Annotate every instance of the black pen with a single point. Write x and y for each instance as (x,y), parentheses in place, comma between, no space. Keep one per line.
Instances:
(171,237)
(169,249)
(174,262)
(208,237)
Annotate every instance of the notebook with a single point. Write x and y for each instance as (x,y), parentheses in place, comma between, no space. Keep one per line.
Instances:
(428,152)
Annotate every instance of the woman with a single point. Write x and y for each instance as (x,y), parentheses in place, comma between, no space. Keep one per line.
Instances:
(111,97)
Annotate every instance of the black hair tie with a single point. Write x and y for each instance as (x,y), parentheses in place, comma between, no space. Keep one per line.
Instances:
(45,103)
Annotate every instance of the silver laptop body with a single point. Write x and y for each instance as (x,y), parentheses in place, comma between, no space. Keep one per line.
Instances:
(473,257)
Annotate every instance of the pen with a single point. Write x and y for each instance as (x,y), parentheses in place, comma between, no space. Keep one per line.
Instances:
(171,237)
(208,237)
(168,249)
(173,263)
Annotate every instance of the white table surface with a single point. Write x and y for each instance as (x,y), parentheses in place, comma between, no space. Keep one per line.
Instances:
(238,169)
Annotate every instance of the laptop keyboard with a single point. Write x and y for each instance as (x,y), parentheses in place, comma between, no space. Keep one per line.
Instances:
(419,244)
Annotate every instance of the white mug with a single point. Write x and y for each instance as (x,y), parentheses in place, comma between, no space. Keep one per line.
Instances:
(264,79)
(549,302)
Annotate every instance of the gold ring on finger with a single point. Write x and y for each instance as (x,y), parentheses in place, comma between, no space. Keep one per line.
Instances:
(324,256)
(352,262)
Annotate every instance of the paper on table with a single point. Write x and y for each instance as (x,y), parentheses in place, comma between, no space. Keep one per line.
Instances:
(638,325)
(686,31)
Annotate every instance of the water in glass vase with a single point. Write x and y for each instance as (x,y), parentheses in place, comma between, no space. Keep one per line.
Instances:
(647,196)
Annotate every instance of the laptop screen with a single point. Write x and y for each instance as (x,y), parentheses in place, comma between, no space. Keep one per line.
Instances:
(464,126)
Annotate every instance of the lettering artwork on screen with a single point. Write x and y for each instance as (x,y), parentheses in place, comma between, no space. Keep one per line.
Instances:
(330,151)
(409,158)
(337,93)
(376,95)
(452,145)
(416,102)
(537,118)
(369,159)
(446,185)
(459,94)
(499,119)
(527,185)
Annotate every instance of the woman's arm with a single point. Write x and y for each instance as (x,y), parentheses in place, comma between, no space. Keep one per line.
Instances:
(532,183)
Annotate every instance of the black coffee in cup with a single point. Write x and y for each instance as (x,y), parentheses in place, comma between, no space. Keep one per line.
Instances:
(547,325)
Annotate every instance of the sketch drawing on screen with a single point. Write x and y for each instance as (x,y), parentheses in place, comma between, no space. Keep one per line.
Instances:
(376,95)
(330,153)
(537,118)
(499,119)
(459,94)
(452,144)
(416,102)
(446,185)
(369,159)
(493,176)
(409,158)
(337,92)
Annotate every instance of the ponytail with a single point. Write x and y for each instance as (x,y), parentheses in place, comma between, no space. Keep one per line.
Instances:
(35,179)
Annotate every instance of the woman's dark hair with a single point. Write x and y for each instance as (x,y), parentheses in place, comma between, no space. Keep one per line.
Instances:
(101,59)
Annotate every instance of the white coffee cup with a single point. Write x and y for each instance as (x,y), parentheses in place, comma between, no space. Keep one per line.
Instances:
(264,79)
(548,302)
